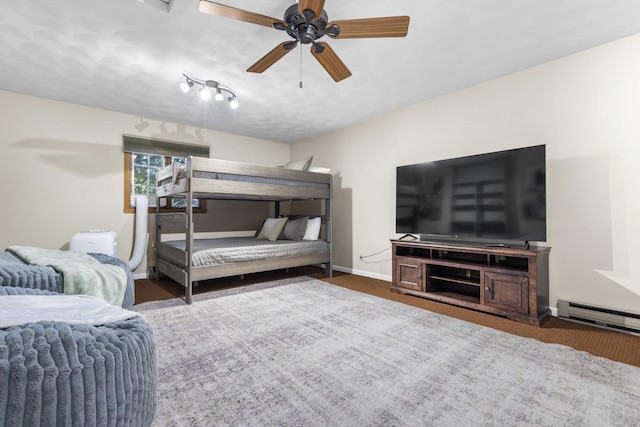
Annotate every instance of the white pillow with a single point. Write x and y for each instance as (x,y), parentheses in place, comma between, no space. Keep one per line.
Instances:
(313,229)
(271,228)
(319,169)
(301,165)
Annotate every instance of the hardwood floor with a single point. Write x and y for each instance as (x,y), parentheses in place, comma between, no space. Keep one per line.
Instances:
(619,346)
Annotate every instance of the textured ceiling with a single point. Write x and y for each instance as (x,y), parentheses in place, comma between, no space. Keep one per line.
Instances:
(129,56)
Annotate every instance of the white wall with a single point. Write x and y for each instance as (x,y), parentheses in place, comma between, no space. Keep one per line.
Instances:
(62,170)
(585,108)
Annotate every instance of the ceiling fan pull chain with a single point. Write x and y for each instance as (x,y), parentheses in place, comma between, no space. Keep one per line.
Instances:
(300,68)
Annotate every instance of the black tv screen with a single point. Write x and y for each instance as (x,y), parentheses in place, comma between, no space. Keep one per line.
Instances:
(493,196)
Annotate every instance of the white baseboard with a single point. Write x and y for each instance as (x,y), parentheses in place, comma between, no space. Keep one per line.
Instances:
(140,276)
(384,277)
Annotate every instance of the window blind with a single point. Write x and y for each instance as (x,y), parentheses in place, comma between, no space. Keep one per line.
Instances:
(139,144)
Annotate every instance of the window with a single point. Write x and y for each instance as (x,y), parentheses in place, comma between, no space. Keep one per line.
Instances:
(143,158)
(145,169)
(141,170)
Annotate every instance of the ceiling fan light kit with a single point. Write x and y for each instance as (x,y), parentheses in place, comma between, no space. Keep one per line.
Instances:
(306,22)
(206,87)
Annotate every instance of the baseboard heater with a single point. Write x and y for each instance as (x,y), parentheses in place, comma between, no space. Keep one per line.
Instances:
(628,322)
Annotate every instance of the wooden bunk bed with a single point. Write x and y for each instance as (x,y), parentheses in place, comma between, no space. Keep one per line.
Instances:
(204,178)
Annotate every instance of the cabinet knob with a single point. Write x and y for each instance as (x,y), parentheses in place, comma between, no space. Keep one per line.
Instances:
(486,288)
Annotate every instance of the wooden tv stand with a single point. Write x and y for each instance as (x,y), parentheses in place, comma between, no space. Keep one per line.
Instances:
(507,281)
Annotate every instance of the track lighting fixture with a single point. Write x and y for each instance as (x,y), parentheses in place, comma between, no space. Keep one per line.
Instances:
(206,87)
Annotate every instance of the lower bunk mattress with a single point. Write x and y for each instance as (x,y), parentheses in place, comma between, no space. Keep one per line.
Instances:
(17,273)
(209,252)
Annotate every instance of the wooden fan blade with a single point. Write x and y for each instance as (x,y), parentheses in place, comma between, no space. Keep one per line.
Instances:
(331,62)
(392,26)
(218,9)
(272,57)
(315,5)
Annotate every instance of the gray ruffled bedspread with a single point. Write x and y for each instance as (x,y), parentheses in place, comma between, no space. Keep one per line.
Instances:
(10,290)
(55,374)
(15,272)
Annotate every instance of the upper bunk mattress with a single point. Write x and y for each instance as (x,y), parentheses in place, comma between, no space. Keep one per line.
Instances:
(208,252)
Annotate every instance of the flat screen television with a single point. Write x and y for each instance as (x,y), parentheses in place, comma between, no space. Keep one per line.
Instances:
(492,197)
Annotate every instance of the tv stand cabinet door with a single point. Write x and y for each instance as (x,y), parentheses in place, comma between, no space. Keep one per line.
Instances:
(409,274)
(506,291)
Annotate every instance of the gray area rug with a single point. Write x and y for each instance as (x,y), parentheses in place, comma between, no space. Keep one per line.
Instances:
(306,353)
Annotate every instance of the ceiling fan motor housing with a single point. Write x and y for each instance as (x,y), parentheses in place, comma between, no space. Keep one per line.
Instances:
(305,29)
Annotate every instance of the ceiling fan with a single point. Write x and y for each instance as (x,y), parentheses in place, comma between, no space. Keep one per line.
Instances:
(306,22)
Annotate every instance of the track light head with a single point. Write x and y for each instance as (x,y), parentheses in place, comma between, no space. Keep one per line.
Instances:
(206,90)
(185,86)
(205,94)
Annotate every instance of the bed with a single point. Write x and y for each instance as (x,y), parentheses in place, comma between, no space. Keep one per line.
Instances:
(204,178)
(74,367)
(14,271)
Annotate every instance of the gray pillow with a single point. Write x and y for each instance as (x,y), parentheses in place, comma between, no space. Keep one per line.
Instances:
(271,228)
(294,229)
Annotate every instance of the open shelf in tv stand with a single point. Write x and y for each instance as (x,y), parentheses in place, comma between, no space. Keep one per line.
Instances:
(510,282)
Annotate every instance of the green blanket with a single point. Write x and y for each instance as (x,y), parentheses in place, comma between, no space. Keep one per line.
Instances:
(82,273)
